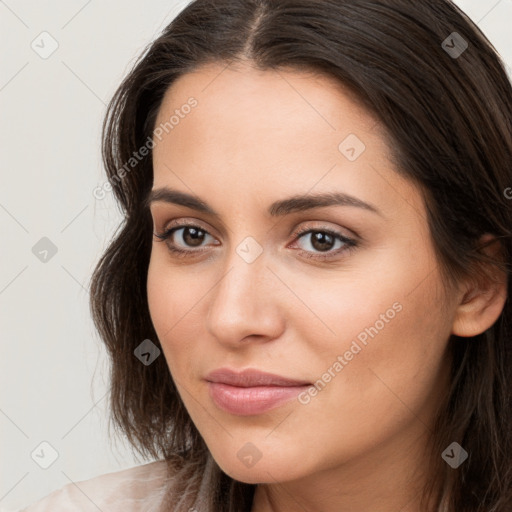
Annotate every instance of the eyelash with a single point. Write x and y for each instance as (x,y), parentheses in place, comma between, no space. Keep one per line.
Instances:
(350,243)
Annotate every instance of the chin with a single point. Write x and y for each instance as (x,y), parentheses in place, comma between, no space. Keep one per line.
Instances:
(251,475)
(271,470)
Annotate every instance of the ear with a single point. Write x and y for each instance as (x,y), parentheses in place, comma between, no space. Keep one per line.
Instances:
(482,299)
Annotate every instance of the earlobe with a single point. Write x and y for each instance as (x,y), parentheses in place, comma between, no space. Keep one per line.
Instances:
(483,300)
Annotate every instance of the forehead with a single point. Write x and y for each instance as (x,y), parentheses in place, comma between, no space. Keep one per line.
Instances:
(254,130)
(238,90)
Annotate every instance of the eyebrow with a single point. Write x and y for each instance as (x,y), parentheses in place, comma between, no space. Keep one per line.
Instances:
(293,204)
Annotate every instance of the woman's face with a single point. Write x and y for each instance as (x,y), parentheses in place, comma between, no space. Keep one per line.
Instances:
(345,299)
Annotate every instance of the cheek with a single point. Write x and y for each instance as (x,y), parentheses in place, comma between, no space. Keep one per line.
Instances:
(392,344)
(391,331)
(171,305)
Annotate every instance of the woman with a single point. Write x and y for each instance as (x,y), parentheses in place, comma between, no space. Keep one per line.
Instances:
(307,306)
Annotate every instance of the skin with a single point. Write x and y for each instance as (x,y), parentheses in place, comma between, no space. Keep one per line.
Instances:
(255,137)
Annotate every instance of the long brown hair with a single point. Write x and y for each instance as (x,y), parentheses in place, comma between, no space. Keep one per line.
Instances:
(446,104)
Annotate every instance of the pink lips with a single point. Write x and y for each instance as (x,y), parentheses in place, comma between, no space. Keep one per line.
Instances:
(251,391)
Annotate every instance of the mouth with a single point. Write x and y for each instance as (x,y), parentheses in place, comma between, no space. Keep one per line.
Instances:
(251,392)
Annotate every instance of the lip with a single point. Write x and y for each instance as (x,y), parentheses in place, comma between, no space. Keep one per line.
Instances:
(251,391)
(251,377)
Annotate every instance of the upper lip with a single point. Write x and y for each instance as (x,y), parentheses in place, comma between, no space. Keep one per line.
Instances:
(251,377)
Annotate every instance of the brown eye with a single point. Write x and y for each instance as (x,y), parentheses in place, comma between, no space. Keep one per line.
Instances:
(192,236)
(186,236)
(324,241)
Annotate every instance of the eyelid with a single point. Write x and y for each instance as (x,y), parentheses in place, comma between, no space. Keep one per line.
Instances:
(192,222)
(323,225)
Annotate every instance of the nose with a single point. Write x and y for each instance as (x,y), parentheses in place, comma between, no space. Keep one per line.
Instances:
(244,305)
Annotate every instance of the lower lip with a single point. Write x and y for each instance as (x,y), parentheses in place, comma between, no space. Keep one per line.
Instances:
(252,400)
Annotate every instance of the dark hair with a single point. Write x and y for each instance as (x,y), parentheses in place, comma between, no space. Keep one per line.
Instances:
(448,122)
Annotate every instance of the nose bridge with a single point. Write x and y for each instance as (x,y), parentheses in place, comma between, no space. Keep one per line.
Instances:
(247,270)
(242,303)
(243,285)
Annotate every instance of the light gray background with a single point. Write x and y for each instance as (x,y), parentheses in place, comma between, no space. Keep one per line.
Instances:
(53,372)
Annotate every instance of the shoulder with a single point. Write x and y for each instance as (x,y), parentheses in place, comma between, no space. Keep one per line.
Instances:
(137,489)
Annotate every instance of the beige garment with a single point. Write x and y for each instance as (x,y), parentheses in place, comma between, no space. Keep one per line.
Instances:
(137,489)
